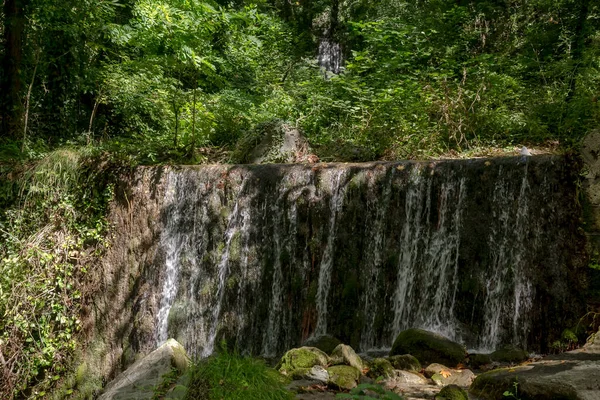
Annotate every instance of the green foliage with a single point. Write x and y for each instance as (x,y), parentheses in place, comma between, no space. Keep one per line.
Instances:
(167,382)
(229,375)
(369,391)
(48,239)
(513,394)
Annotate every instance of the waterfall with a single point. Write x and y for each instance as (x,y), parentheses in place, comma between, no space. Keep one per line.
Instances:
(173,246)
(508,245)
(330,56)
(337,189)
(424,296)
(265,256)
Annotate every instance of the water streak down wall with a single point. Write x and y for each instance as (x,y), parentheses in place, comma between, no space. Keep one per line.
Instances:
(484,251)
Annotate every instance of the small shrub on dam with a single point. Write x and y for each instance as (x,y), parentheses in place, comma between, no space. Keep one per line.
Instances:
(231,376)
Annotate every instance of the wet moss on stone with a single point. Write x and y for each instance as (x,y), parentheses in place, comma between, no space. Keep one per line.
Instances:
(428,347)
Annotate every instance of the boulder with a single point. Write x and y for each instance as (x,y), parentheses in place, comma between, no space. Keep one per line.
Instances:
(477,360)
(380,367)
(452,392)
(297,362)
(556,379)
(428,347)
(405,362)
(345,355)
(139,380)
(509,354)
(443,376)
(343,377)
(316,373)
(402,379)
(326,343)
(273,142)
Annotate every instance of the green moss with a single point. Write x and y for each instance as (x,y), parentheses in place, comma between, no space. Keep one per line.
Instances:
(509,354)
(405,362)
(343,377)
(380,367)
(452,392)
(428,347)
(303,357)
(477,360)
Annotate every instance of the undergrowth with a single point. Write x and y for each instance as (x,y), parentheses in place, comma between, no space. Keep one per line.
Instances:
(52,225)
(228,375)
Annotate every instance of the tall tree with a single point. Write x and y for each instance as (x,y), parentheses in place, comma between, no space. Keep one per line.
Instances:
(14,26)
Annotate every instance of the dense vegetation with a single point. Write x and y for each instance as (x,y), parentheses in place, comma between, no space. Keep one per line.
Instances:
(151,81)
(229,375)
(184,80)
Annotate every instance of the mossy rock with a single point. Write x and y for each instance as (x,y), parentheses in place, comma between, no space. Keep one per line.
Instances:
(405,362)
(380,367)
(428,347)
(343,377)
(477,360)
(326,343)
(452,392)
(509,354)
(532,383)
(344,354)
(301,358)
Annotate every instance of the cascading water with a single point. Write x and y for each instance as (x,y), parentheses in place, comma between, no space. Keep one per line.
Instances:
(267,256)
(337,189)
(330,56)
(173,246)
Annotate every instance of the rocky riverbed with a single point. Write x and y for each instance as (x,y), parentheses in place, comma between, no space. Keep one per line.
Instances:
(420,365)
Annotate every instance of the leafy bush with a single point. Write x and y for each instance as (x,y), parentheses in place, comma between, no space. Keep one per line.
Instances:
(48,238)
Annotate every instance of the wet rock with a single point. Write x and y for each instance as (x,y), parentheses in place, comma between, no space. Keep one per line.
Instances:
(443,376)
(380,367)
(405,362)
(343,377)
(315,373)
(509,354)
(344,354)
(428,347)
(452,392)
(139,380)
(326,343)
(402,379)
(477,360)
(297,362)
(555,379)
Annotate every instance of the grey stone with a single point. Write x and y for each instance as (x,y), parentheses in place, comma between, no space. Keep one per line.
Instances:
(344,354)
(139,380)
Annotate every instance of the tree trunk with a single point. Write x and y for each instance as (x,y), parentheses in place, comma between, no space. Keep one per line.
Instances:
(11,107)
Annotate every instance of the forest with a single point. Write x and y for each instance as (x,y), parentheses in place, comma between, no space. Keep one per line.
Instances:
(185,80)
(90,89)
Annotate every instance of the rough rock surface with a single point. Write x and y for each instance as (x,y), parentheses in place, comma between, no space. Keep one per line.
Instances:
(428,347)
(452,392)
(343,377)
(478,360)
(574,375)
(273,142)
(139,380)
(344,354)
(509,354)
(380,367)
(296,362)
(405,362)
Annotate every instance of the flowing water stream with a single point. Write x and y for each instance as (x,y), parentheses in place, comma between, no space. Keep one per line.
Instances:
(268,256)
